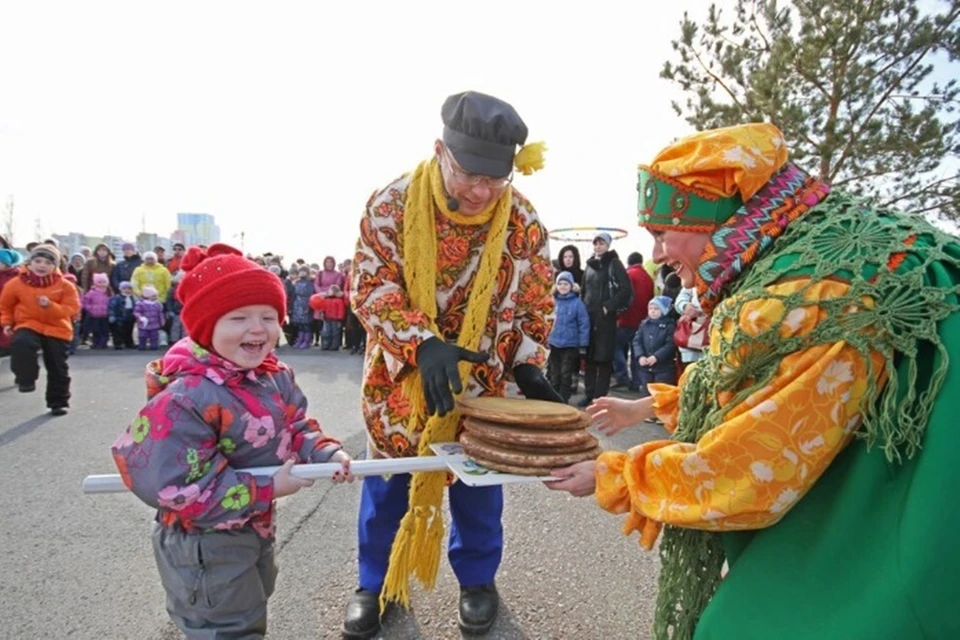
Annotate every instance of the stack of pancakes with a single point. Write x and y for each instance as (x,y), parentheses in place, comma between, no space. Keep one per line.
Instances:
(526,437)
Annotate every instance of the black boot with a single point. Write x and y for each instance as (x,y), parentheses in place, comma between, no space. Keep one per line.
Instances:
(363,616)
(478,608)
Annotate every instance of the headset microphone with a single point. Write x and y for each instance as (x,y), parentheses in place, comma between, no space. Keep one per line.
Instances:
(452,203)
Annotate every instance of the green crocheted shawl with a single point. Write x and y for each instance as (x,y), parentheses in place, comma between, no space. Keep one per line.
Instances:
(905,266)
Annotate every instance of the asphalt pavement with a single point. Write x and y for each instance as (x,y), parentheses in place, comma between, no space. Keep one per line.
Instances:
(78,566)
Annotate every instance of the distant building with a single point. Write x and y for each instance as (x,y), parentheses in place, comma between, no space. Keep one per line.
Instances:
(198,228)
(70,243)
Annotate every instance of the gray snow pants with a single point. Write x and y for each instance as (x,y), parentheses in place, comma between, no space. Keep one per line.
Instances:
(217,584)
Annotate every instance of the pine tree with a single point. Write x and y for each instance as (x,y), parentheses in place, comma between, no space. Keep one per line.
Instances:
(865,91)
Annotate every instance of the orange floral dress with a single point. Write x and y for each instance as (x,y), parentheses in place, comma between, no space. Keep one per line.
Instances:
(517,328)
(747,472)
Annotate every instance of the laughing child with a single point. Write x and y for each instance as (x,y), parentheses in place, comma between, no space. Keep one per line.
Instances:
(220,401)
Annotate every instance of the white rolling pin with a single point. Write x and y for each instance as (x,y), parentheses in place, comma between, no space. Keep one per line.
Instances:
(111,482)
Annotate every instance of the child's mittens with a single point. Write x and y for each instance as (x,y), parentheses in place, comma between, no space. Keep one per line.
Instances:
(143,322)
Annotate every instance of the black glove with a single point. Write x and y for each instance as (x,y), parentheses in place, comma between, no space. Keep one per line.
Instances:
(437,362)
(534,385)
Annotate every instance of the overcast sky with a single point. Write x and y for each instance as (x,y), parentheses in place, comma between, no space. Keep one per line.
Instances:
(281,118)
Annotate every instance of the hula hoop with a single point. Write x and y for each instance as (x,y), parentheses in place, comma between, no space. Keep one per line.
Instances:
(585,234)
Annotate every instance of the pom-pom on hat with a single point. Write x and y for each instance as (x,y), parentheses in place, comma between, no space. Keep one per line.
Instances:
(218,280)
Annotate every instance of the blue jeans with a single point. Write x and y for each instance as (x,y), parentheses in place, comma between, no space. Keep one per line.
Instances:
(476,533)
(623,350)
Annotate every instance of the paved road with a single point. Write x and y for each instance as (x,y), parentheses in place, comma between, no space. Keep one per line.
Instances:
(81,567)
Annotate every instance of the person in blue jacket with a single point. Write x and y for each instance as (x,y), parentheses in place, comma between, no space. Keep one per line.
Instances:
(570,336)
(653,345)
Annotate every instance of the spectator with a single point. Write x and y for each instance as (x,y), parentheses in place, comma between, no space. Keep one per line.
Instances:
(123,271)
(161,255)
(629,321)
(606,292)
(173,265)
(121,317)
(569,337)
(151,273)
(75,267)
(101,262)
(687,305)
(569,261)
(653,346)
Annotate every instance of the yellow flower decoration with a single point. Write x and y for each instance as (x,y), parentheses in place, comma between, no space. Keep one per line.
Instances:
(530,158)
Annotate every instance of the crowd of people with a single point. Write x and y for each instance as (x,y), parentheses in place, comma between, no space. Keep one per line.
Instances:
(620,326)
(131,302)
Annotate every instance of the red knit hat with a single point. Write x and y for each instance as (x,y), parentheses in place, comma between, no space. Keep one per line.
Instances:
(218,280)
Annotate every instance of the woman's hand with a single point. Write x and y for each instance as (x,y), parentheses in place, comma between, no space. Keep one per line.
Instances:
(613,415)
(344,475)
(577,479)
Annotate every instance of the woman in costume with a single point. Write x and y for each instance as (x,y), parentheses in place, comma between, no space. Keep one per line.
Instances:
(813,447)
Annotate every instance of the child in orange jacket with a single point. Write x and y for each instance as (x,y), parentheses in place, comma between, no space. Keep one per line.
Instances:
(37,310)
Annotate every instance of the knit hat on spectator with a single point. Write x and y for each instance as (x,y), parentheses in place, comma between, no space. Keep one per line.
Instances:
(128,245)
(607,239)
(149,255)
(565,276)
(101,279)
(663,303)
(217,281)
(10,257)
(149,292)
(125,285)
(47,251)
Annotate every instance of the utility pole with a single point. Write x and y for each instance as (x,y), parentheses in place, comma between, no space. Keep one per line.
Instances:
(37,230)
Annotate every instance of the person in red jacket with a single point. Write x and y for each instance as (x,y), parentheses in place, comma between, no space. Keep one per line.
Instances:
(629,321)
(334,311)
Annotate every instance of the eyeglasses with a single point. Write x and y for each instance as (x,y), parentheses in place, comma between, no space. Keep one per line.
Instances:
(473,179)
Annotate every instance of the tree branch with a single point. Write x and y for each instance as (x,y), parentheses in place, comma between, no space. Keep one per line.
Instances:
(717,79)
(918,192)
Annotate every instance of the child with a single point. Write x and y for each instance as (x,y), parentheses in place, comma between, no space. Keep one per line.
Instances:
(220,401)
(96,302)
(148,313)
(569,337)
(121,316)
(653,345)
(302,315)
(174,307)
(36,308)
(9,261)
(334,311)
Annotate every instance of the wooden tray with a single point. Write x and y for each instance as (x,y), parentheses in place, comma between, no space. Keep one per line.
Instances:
(533,414)
(520,437)
(481,451)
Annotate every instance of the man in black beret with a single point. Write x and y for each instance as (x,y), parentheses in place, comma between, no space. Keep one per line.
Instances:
(452,282)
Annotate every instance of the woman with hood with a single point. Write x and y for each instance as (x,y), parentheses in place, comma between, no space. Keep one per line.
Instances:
(76,264)
(327,277)
(102,261)
(569,261)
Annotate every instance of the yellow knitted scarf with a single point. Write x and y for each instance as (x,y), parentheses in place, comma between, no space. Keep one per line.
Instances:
(416,548)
